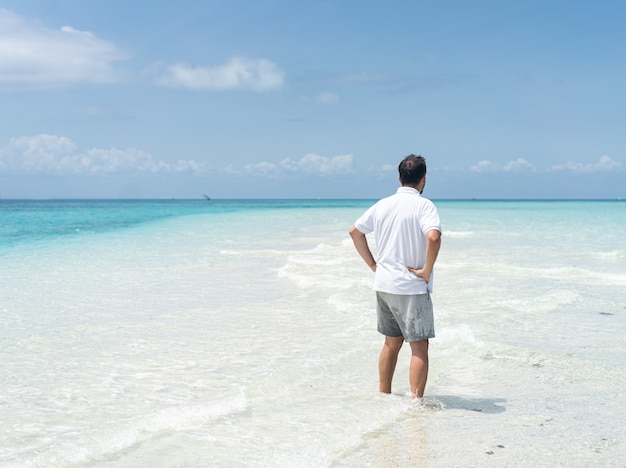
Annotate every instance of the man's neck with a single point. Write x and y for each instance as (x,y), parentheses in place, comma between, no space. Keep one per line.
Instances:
(416,187)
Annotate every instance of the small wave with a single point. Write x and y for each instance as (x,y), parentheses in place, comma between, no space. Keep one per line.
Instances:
(313,260)
(458,234)
(462,333)
(310,279)
(248,253)
(590,276)
(103,441)
(428,404)
(610,255)
(324,266)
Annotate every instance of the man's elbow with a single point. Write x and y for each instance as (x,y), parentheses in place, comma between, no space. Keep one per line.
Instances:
(354,233)
(434,236)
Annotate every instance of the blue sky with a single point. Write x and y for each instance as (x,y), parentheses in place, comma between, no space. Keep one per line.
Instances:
(287,99)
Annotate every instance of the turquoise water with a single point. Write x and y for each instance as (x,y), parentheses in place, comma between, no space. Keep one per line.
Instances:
(242,333)
(37,220)
(41,220)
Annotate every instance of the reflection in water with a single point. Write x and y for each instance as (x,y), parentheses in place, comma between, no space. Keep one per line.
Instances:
(402,443)
(481,405)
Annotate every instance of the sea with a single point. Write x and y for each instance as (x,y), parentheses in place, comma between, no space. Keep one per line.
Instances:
(242,333)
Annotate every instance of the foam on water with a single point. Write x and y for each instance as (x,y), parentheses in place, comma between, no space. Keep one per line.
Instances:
(459,234)
(96,444)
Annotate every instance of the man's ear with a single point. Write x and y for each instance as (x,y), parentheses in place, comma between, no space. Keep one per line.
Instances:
(422,184)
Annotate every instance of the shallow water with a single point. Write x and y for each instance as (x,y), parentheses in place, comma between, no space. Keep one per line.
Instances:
(243,333)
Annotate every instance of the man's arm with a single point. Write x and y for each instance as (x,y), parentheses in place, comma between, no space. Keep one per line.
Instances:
(362,247)
(433,242)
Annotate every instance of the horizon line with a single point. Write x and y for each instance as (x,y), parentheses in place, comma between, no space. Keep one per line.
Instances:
(291,199)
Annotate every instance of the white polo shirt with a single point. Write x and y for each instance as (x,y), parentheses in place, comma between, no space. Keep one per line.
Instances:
(400,223)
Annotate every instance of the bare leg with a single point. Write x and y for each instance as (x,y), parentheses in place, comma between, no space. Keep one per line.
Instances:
(387,362)
(418,372)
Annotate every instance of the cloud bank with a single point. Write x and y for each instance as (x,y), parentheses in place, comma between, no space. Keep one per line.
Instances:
(37,56)
(310,164)
(58,155)
(516,165)
(237,73)
(55,155)
(604,164)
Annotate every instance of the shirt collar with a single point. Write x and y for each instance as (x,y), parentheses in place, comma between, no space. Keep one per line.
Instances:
(410,190)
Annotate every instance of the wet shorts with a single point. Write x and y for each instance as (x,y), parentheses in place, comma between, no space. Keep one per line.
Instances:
(407,316)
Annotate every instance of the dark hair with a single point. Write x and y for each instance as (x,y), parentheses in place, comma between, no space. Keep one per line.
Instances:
(412,169)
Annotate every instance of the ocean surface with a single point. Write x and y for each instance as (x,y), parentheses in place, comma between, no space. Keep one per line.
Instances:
(242,333)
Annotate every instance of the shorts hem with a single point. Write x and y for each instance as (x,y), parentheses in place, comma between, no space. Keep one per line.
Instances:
(411,339)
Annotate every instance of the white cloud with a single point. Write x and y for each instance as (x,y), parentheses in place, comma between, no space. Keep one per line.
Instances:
(604,164)
(321,165)
(519,164)
(327,98)
(34,55)
(485,166)
(264,169)
(50,154)
(311,164)
(516,165)
(114,160)
(237,73)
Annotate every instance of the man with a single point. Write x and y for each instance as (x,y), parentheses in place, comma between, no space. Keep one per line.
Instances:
(408,237)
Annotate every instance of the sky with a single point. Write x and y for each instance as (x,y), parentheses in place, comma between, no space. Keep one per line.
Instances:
(316,99)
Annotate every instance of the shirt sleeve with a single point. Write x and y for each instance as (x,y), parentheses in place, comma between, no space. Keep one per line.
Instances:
(430,218)
(365,223)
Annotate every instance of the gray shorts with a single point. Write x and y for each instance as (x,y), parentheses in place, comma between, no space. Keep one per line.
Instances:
(407,316)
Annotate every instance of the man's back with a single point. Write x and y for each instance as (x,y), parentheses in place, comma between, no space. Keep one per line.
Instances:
(400,223)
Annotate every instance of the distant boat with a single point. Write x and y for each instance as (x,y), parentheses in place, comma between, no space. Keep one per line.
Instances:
(206,197)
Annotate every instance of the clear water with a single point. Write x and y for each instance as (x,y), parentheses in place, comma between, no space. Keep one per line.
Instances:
(242,333)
